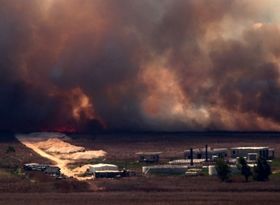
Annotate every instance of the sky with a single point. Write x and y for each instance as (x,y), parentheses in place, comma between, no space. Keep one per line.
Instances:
(160,65)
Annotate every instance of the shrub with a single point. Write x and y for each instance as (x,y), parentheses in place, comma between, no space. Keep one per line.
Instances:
(10,149)
(262,170)
(223,170)
(245,169)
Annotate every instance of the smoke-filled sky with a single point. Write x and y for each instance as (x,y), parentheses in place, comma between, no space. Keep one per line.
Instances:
(166,65)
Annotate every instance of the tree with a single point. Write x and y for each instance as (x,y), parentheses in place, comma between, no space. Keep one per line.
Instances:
(245,169)
(223,170)
(262,170)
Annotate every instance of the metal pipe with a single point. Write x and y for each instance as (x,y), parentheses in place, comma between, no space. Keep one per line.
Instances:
(206,153)
(191,156)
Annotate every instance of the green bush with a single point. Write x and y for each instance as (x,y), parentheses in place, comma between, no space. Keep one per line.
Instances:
(244,168)
(262,170)
(223,170)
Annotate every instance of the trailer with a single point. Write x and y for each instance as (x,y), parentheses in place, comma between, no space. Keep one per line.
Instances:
(248,152)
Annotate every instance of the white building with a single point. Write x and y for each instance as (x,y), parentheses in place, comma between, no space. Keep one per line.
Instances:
(102,167)
(250,152)
(211,153)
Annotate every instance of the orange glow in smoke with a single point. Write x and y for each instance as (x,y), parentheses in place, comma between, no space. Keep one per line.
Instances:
(82,105)
(83,108)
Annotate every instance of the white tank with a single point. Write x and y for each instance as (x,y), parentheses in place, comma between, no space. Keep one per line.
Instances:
(212,170)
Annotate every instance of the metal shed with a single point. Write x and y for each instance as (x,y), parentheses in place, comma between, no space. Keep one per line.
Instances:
(150,157)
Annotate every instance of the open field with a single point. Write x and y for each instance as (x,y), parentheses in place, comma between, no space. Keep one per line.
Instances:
(17,187)
(144,198)
(124,146)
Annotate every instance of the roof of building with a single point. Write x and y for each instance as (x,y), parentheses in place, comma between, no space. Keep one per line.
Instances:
(219,149)
(166,166)
(185,161)
(32,164)
(148,153)
(101,165)
(36,165)
(195,150)
(208,150)
(244,148)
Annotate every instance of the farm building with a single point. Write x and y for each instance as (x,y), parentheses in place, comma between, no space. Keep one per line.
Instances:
(151,157)
(112,174)
(165,169)
(52,170)
(35,167)
(102,167)
(218,152)
(202,153)
(251,153)
(108,174)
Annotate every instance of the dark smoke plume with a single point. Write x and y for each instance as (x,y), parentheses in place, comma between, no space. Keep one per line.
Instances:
(72,65)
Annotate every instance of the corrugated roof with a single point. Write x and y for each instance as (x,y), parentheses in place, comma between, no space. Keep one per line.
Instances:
(148,153)
(244,148)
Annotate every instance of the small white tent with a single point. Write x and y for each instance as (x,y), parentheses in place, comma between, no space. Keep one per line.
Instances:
(102,167)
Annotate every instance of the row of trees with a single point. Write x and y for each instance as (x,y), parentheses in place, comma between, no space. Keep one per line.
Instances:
(260,172)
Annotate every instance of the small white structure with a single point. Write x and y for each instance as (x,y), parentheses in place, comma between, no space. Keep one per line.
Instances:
(193,172)
(246,152)
(165,169)
(213,172)
(102,167)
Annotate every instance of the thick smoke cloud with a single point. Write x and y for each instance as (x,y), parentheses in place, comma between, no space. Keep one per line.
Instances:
(139,65)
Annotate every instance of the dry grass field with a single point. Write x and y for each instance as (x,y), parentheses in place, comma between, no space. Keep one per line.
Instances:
(124,146)
(143,198)
(36,188)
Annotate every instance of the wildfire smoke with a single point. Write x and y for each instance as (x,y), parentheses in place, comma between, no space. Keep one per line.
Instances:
(142,65)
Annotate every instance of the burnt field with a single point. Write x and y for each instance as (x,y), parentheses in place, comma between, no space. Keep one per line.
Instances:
(17,187)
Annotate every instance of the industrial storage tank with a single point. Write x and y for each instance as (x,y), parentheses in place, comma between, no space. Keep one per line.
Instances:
(212,170)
